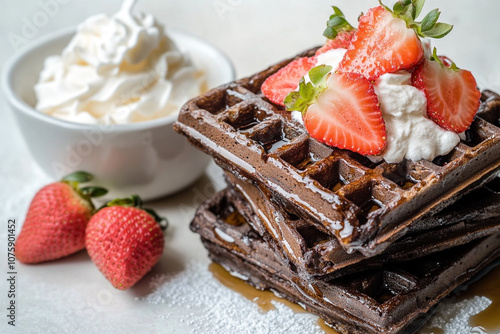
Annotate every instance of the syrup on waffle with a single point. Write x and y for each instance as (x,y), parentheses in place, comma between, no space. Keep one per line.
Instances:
(314,253)
(383,300)
(366,205)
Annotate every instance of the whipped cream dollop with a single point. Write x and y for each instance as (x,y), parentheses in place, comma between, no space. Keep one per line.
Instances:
(410,133)
(117,69)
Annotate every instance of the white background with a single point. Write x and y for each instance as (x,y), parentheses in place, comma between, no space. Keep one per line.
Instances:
(255,34)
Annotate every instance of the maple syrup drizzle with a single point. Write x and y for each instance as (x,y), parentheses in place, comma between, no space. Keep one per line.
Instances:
(324,326)
(488,286)
(263,299)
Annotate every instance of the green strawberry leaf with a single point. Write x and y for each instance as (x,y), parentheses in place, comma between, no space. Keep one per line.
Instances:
(93,191)
(308,92)
(161,220)
(404,9)
(430,20)
(78,176)
(418,5)
(136,202)
(319,74)
(409,10)
(127,202)
(336,23)
(439,30)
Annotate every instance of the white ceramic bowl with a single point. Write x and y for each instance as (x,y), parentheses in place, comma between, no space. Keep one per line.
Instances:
(147,158)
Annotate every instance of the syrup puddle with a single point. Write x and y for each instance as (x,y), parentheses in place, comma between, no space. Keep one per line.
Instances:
(263,299)
(487,321)
(489,287)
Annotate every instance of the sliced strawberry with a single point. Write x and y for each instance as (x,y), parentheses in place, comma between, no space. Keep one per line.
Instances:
(382,44)
(341,41)
(347,115)
(340,110)
(388,40)
(452,95)
(277,86)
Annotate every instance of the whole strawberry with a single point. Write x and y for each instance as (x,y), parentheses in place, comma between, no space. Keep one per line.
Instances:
(125,241)
(56,221)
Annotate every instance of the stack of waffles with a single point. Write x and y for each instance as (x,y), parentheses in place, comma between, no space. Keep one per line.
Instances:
(369,247)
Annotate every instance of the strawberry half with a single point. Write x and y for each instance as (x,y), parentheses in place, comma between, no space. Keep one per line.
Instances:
(125,241)
(279,85)
(342,41)
(338,32)
(56,220)
(388,40)
(452,95)
(340,110)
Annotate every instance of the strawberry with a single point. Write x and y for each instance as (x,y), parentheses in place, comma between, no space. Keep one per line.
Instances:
(56,220)
(338,32)
(452,95)
(340,110)
(277,86)
(342,41)
(388,40)
(124,241)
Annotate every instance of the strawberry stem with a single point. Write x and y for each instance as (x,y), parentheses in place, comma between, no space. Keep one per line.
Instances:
(449,64)
(161,220)
(308,92)
(74,179)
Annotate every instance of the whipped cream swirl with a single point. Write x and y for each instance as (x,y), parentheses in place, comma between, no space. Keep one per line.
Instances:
(117,69)
(410,133)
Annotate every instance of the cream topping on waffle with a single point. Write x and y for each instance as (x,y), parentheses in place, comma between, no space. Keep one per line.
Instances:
(117,69)
(410,133)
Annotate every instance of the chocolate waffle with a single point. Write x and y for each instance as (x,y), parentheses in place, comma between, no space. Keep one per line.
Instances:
(385,300)
(312,253)
(365,205)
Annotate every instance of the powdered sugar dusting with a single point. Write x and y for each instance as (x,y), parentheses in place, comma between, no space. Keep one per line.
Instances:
(453,317)
(206,306)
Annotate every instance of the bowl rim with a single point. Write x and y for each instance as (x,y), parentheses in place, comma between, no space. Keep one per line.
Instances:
(20,105)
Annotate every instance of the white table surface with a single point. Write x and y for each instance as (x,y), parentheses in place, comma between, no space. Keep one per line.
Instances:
(71,295)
